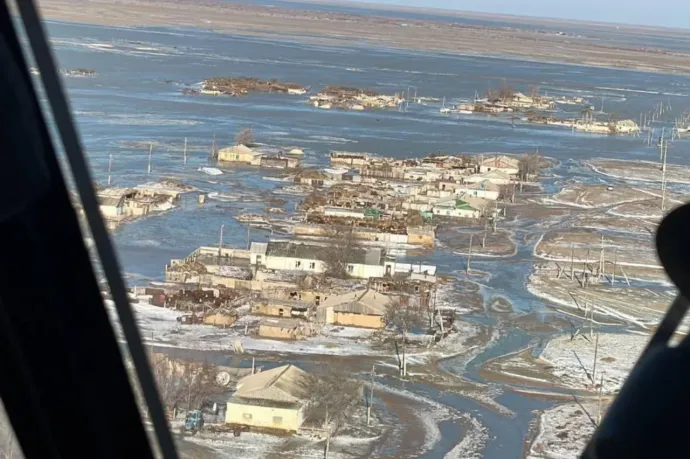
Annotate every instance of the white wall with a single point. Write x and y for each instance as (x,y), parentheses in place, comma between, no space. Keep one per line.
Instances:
(486,194)
(415,268)
(464,213)
(112,211)
(291,264)
(338,212)
(507,170)
(365,271)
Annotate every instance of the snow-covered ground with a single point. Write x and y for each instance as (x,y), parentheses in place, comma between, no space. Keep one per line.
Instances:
(160,326)
(572,360)
(641,306)
(564,431)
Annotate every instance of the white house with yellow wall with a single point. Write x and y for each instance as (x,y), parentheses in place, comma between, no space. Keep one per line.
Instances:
(273,399)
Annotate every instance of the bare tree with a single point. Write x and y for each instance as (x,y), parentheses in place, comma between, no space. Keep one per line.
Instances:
(198,384)
(332,397)
(529,165)
(183,384)
(403,315)
(245,137)
(342,247)
(168,376)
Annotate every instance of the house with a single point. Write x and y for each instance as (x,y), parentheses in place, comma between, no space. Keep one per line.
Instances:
(278,162)
(503,163)
(239,154)
(456,207)
(280,308)
(422,174)
(348,159)
(271,399)
(310,177)
(484,189)
(287,256)
(495,176)
(283,328)
(112,201)
(220,319)
(361,308)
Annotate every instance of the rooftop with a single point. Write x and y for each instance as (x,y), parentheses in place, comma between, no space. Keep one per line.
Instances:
(283,384)
(239,150)
(358,302)
(371,256)
(484,185)
(500,161)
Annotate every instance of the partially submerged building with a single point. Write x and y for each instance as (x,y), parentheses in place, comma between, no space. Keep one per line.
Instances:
(120,204)
(243,154)
(272,399)
(239,154)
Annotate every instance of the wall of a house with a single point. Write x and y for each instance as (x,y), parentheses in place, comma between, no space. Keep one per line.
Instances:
(288,419)
(357,320)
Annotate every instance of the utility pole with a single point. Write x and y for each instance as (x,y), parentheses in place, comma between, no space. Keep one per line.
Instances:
(664,151)
(615,262)
(601,389)
(601,259)
(185,150)
(371,394)
(150,152)
(594,366)
(220,242)
(584,270)
(469,256)
(249,229)
(110,167)
(572,262)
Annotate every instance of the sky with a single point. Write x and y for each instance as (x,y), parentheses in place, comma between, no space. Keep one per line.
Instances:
(667,13)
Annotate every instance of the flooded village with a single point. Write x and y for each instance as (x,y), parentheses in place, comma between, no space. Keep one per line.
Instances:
(342,256)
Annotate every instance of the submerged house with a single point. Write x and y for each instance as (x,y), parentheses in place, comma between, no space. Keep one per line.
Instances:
(272,399)
(239,154)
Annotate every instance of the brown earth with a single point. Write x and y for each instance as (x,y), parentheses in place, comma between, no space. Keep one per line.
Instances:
(341,28)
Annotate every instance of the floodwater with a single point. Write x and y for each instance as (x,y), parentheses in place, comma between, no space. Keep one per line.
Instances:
(136,97)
